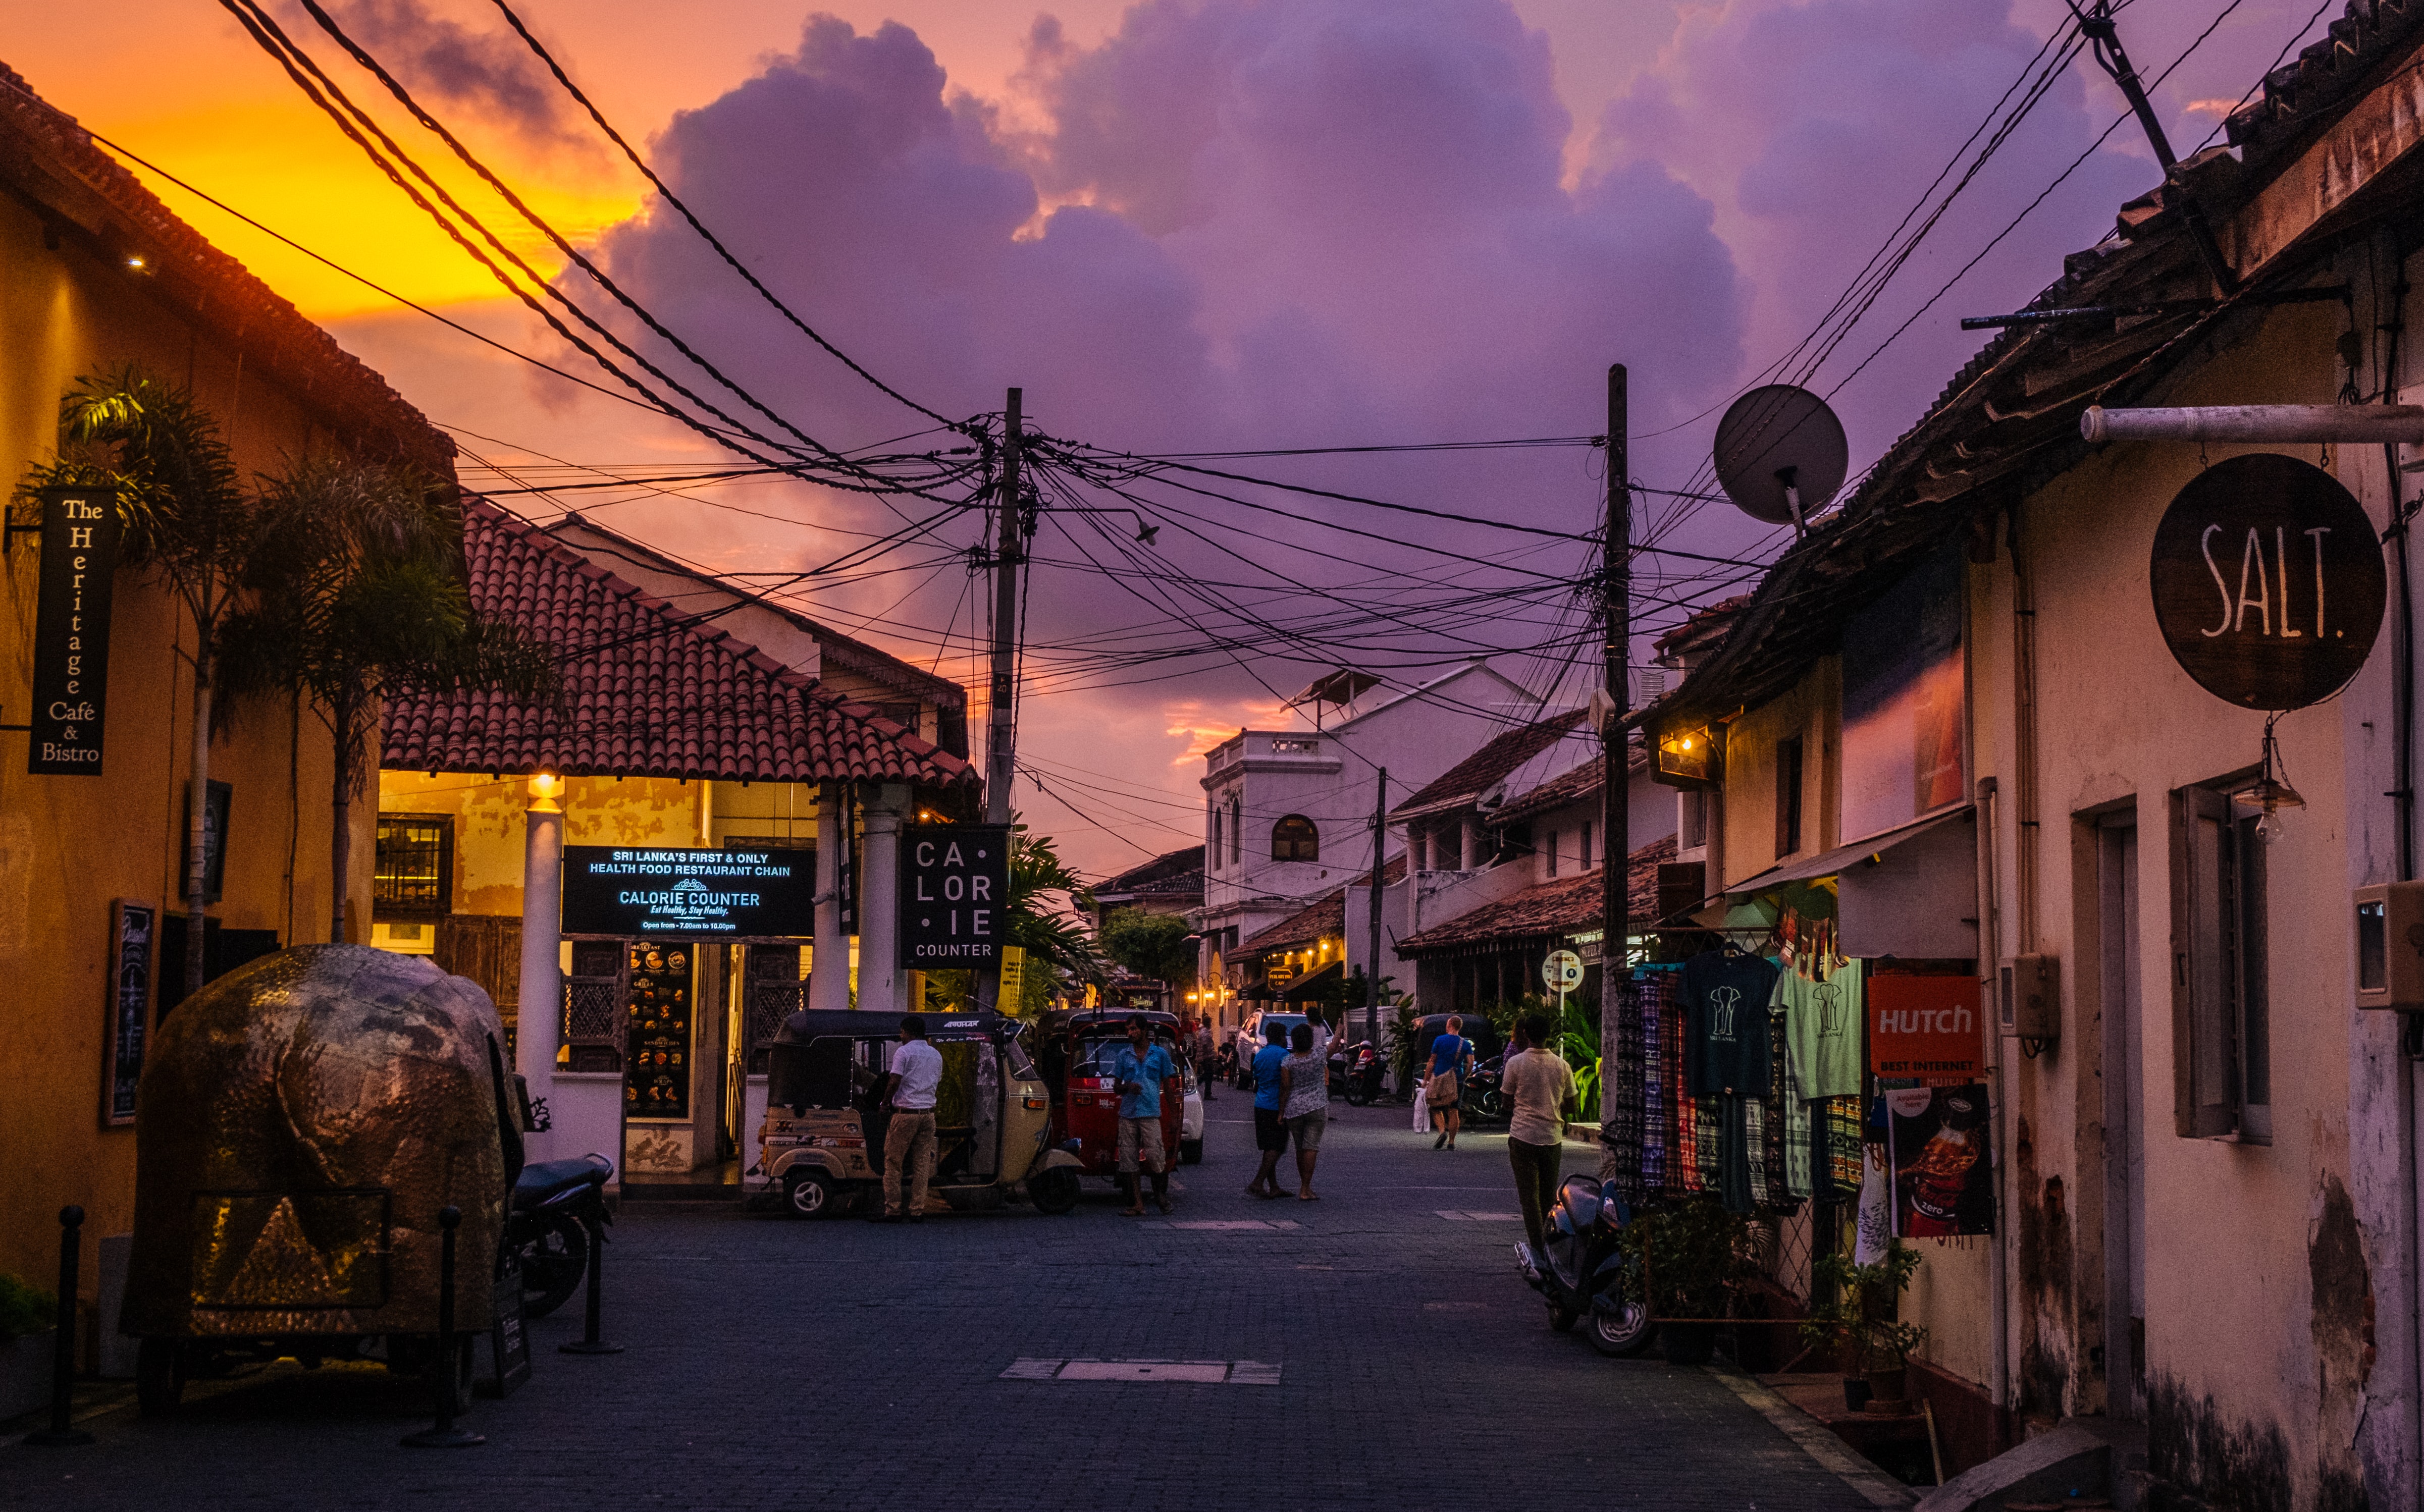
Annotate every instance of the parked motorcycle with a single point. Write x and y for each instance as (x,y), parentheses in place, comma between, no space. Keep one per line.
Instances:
(1580,1270)
(1355,1073)
(1483,1099)
(557,1204)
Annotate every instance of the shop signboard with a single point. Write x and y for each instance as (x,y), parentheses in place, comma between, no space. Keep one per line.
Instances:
(1924,1027)
(954,896)
(70,670)
(1943,1162)
(688,894)
(1013,980)
(2268,582)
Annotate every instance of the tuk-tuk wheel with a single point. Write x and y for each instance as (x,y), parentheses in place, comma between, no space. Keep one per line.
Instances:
(159,1376)
(810,1194)
(1055,1190)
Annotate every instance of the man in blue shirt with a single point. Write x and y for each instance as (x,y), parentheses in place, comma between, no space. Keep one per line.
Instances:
(1271,1127)
(1137,1076)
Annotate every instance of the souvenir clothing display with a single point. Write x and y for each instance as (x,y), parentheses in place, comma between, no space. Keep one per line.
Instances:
(1727,996)
(1822,1029)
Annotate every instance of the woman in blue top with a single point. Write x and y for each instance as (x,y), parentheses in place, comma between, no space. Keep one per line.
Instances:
(1451,1057)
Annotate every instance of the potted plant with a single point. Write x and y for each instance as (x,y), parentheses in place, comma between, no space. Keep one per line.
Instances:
(27,1316)
(1854,1311)
(1694,1254)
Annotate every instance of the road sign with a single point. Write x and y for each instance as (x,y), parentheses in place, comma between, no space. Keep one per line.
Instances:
(954,896)
(1562,971)
(2268,582)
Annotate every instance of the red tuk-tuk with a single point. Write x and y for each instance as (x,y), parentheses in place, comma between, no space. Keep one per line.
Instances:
(1076,1052)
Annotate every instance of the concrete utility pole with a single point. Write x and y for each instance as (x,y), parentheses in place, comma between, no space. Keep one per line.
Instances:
(1616,841)
(1000,736)
(1372,949)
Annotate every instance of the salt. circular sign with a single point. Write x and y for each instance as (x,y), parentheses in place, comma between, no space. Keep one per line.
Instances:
(2268,582)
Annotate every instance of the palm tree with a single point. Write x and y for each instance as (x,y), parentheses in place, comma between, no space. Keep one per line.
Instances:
(1043,897)
(358,590)
(187,517)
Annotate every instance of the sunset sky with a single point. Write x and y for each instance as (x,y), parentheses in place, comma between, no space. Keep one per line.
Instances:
(1185,225)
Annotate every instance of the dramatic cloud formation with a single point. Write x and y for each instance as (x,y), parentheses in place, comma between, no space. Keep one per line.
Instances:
(1235,224)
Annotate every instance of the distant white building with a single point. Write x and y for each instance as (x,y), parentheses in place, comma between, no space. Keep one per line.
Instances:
(1288,813)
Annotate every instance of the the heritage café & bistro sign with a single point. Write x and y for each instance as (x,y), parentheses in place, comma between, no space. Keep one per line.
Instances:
(688,894)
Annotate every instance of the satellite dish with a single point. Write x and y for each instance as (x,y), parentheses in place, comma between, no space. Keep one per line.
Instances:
(1780,455)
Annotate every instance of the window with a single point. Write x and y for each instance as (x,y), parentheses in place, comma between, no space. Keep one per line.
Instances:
(2221,1008)
(1788,797)
(1214,852)
(1550,851)
(1691,820)
(1236,828)
(1584,857)
(1294,838)
(414,873)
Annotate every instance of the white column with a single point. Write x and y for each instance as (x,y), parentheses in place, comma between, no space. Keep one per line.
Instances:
(882,983)
(829,969)
(538,1020)
(1470,846)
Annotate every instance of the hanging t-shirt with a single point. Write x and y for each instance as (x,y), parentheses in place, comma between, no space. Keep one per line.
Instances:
(1822,1029)
(1725,998)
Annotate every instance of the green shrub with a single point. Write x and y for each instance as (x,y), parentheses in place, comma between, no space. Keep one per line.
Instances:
(1698,1254)
(24,1307)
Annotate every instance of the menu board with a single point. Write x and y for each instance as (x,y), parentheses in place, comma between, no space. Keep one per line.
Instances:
(657,1017)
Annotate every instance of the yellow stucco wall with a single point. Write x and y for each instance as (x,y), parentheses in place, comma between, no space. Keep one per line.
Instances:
(73,844)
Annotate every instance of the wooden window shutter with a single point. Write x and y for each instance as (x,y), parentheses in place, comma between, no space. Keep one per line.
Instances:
(2204,1008)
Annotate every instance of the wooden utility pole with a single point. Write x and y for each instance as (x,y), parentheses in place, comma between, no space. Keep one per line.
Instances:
(1616,840)
(1372,951)
(1000,732)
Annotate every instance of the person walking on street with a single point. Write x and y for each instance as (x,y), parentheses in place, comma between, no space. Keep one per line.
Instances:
(1451,1057)
(1137,1076)
(1204,1055)
(1271,1121)
(1305,1093)
(1542,1087)
(909,1135)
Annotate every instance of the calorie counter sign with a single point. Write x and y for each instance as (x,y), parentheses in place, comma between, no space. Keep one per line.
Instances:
(954,892)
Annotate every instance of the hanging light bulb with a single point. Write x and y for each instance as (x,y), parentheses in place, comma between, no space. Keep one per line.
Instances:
(2270,791)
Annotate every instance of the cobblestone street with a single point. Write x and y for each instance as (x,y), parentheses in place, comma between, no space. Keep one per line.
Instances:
(777,1364)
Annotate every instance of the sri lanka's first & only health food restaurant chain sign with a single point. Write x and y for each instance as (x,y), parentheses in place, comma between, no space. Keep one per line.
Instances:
(689,893)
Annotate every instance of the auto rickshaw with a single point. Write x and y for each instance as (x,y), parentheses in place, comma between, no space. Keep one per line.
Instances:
(300,1124)
(822,1140)
(1077,1050)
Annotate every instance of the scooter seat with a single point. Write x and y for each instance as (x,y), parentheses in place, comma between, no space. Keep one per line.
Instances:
(548,1179)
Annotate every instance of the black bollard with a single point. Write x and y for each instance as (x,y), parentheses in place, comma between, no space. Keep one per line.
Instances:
(589,1344)
(445,1434)
(61,1434)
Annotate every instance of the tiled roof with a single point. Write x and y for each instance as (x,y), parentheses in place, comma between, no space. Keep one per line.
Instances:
(90,197)
(1173,872)
(1324,915)
(2303,91)
(1571,786)
(1548,908)
(1483,770)
(648,691)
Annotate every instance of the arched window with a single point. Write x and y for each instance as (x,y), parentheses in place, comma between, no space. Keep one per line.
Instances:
(1294,838)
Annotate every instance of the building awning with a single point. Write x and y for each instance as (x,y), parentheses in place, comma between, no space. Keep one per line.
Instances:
(1297,991)
(1830,862)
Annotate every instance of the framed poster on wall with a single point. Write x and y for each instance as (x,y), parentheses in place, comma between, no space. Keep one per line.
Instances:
(134,936)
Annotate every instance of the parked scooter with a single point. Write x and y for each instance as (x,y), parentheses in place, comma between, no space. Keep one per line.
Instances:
(1355,1073)
(1582,1272)
(557,1204)
(1483,1099)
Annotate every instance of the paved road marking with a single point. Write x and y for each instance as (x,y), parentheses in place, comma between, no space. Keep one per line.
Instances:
(1455,1307)
(1197,1372)
(1456,1215)
(1223,1225)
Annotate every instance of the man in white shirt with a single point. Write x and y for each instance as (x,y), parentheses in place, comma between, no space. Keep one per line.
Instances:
(909,1139)
(1540,1085)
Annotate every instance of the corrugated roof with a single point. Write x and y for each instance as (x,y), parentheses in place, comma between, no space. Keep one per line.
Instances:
(1548,908)
(1486,768)
(649,692)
